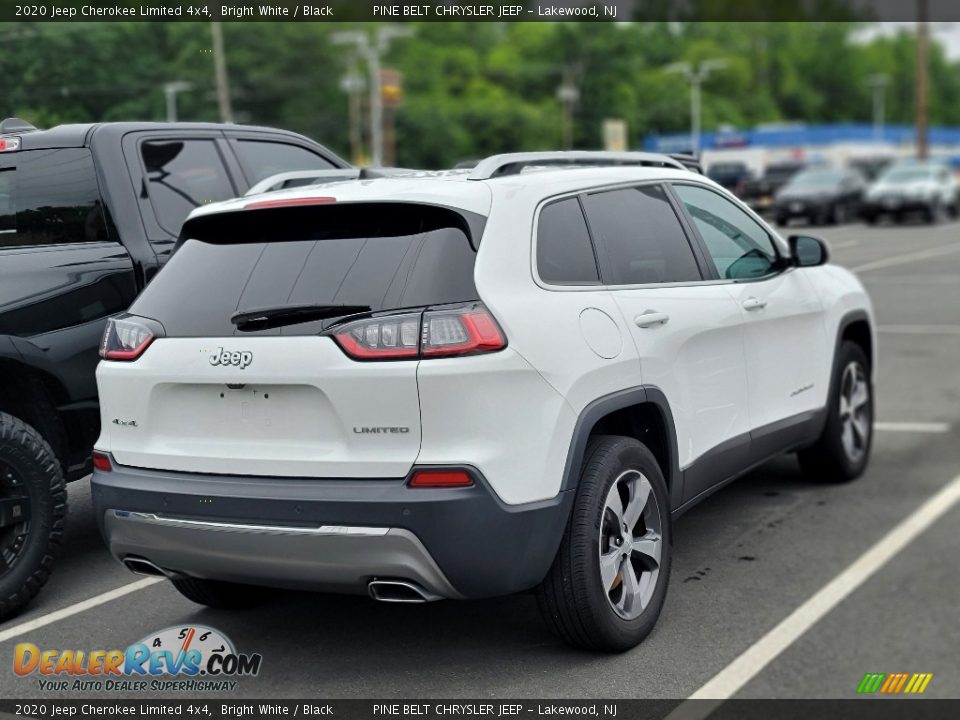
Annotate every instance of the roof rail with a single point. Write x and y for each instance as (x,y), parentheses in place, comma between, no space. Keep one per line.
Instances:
(690,162)
(514,163)
(15,125)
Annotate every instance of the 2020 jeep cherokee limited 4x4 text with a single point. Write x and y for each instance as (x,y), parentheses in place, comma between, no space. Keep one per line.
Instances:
(469,384)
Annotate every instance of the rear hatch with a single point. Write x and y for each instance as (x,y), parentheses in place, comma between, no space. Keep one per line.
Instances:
(275,396)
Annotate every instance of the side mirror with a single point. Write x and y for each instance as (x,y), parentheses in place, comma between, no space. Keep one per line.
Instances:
(808,251)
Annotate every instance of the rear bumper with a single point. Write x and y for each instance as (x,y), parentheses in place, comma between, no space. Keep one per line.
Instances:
(329,534)
(894,205)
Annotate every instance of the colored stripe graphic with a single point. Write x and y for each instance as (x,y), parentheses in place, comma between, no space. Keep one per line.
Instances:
(871,682)
(894,683)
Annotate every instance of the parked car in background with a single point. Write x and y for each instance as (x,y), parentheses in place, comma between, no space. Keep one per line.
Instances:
(924,187)
(88,215)
(821,196)
(733,175)
(870,167)
(759,193)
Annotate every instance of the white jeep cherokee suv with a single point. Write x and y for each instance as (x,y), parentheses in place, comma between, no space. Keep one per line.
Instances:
(466,384)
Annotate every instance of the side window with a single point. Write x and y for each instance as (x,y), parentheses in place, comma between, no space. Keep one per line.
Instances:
(642,236)
(260,159)
(740,247)
(183,175)
(50,197)
(564,251)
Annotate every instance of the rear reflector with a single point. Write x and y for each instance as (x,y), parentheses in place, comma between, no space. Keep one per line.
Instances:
(291,202)
(441,479)
(9,144)
(101,461)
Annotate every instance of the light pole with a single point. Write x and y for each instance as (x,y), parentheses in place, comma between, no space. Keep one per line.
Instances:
(170,91)
(878,83)
(569,96)
(923,40)
(352,84)
(220,74)
(372,51)
(695,75)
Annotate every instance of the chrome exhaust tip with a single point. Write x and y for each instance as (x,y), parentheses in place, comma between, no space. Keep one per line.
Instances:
(399,591)
(142,566)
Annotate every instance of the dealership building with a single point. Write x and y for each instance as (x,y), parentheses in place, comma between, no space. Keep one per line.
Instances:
(812,143)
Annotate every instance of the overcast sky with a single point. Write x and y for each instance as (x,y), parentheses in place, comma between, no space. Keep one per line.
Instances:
(946,33)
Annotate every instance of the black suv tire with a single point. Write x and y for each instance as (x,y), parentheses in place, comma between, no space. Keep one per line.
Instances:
(828,460)
(29,469)
(573,598)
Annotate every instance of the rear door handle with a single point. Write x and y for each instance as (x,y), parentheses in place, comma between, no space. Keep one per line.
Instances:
(651,319)
(752,303)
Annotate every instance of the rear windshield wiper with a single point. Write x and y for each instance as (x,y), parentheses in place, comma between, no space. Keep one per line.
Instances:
(274,317)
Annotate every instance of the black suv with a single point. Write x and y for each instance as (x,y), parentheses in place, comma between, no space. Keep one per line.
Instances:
(88,215)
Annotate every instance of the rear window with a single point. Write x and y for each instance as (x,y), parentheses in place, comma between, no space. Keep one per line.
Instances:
(383,255)
(261,159)
(49,197)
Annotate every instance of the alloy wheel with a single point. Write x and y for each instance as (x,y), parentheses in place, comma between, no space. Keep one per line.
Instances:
(855,420)
(631,541)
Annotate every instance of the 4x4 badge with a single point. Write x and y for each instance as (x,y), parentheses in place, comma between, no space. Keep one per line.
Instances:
(240,358)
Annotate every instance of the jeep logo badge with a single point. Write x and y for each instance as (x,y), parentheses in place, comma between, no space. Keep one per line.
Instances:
(240,358)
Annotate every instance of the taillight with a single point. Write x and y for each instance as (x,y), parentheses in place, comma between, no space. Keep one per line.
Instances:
(9,144)
(101,461)
(394,337)
(127,337)
(441,479)
(448,332)
(463,331)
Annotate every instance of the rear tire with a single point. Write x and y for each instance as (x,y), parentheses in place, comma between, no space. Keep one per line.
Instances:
(217,593)
(29,473)
(842,452)
(609,579)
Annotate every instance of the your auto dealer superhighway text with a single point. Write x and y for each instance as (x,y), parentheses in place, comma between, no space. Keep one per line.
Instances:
(408,709)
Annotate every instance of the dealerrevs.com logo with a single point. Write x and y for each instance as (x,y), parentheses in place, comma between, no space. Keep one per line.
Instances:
(186,658)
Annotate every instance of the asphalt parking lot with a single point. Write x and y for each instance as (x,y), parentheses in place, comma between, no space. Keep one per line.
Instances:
(745,559)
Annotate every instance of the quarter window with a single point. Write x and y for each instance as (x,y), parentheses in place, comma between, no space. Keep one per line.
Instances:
(740,247)
(50,197)
(183,175)
(564,251)
(642,237)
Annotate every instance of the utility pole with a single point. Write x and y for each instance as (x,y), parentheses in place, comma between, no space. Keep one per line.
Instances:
(170,91)
(352,84)
(220,72)
(372,50)
(695,75)
(923,41)
(878,83)
(569,96)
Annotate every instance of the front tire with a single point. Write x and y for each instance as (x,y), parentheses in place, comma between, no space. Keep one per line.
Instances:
(609,579)
(33,500)
(842,452)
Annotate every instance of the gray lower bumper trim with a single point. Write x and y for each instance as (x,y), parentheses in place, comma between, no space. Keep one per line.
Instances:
(334,558)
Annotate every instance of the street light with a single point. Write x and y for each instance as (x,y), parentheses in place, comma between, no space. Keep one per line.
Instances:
(170,91)
(695,75)
(569,95)
(372,51)
(878,83)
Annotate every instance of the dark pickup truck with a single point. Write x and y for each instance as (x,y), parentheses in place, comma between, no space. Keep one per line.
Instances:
(88,215)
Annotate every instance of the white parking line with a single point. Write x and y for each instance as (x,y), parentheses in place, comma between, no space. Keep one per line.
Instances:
(734,676)
(83,606)
(912,427)
(910,257)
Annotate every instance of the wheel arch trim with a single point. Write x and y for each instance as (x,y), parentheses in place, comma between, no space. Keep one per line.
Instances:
(600,408)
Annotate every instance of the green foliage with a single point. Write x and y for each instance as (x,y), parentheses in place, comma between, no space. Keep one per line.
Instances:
(471,89)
